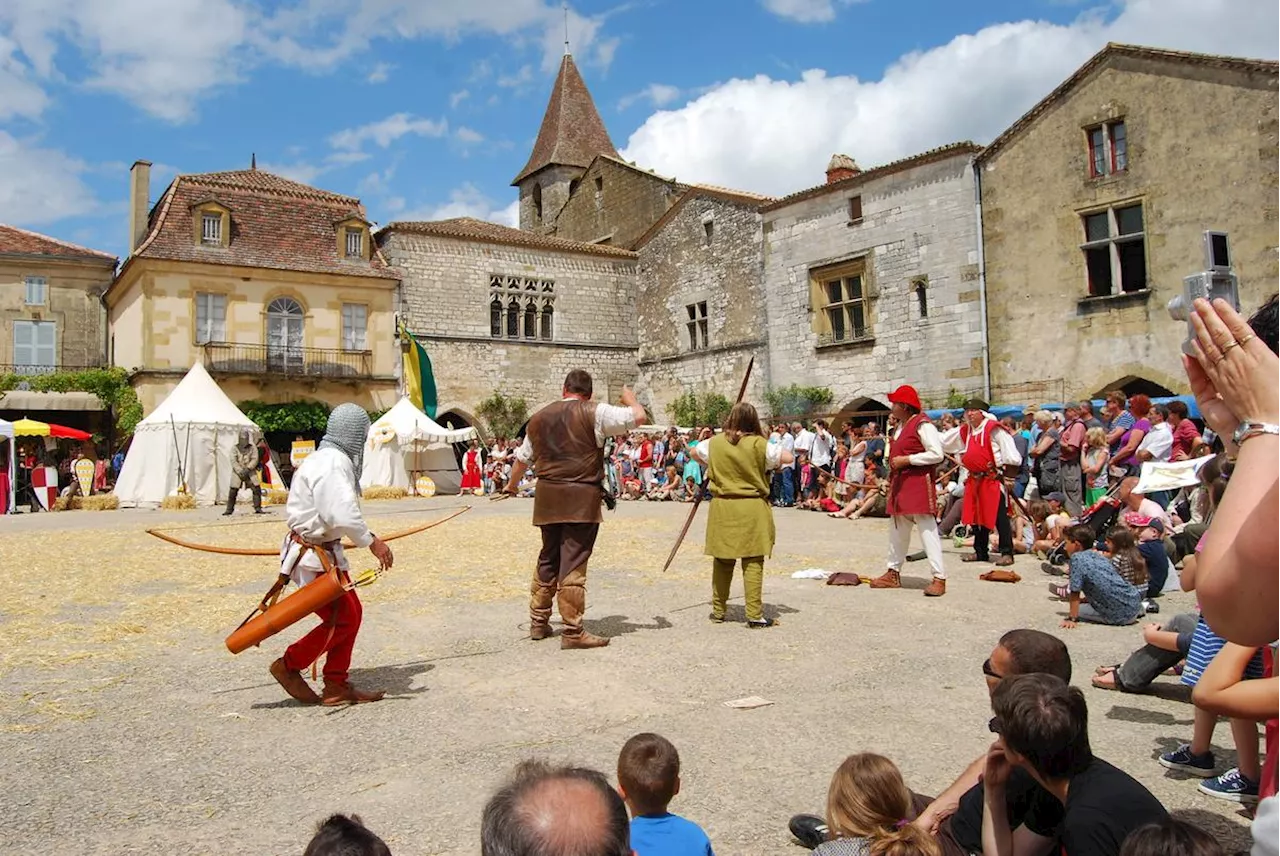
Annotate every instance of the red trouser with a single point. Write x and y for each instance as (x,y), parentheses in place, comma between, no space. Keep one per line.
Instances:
(344,613)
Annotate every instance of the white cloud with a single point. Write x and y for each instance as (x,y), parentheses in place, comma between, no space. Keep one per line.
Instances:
(457,98)
(806,11)
(514,81)
(346,158)
(19,95)
(380,73)
(300,171)
(467,200)
(39,185)
(657,94)
(386,131)
(467,136)
(742,133)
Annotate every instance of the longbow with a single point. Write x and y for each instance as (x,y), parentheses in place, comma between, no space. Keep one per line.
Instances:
(252,551)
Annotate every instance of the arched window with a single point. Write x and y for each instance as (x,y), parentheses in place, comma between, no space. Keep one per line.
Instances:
(530,320)
(513,319)
(285,320)
(495,317)
(547,326)
(537,202)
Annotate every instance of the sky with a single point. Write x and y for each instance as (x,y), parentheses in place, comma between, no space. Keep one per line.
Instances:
(426,109)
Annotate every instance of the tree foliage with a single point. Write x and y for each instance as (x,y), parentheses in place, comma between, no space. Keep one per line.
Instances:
(504,415)
(797,401)
(110,385)
(692,410)
(292,417)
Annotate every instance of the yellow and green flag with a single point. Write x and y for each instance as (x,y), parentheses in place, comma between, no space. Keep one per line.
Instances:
(419,380)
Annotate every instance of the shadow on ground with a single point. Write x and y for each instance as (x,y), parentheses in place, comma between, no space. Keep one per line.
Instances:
(1145,717)
(621,625)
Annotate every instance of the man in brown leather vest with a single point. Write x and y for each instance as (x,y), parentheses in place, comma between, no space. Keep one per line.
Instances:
(564,442)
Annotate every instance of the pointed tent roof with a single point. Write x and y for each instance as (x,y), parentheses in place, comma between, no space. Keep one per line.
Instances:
(411,425)
(196,400)
(572,131)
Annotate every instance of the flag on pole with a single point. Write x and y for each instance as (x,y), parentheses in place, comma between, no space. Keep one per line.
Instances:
(419,380)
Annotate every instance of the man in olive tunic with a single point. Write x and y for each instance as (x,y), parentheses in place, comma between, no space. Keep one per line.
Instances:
(564,443)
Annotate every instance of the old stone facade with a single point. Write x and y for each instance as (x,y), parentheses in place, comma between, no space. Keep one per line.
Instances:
(1151,147)
(615,203)
(701,302)
(499,309)
(871,281)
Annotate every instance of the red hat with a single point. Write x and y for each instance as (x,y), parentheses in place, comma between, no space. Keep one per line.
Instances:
(906,395)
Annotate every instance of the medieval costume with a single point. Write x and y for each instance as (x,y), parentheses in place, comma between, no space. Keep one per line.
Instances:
(986,449)
(323,508)
(244,473)
(564,444)
(914,451)
(471,475)
(740,520)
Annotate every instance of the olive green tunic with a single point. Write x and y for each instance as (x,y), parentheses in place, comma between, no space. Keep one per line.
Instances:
(740,521)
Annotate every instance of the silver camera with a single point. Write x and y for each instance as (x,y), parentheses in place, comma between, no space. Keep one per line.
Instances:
(1217,280)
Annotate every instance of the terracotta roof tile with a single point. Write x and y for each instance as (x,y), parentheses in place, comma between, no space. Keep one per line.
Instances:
(276,224)
(931,156)
(572,132)
(1114,50)
(470,229)
(20,242)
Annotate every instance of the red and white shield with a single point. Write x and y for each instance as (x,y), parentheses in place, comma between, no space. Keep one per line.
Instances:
(44,484)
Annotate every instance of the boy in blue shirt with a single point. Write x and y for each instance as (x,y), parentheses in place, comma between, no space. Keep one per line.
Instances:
(1112,598)
(648,779)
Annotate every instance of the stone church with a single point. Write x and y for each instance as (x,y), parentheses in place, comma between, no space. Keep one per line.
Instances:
(673,286)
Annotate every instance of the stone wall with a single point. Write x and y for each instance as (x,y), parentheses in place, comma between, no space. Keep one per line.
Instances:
(1202,155)
(73,292)
(616,202)
(708,251)
(917,222)
(554,183)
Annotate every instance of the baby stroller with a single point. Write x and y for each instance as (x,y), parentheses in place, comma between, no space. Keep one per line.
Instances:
(1099,517)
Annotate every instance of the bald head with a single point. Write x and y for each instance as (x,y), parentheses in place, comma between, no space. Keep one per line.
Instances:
(555,811)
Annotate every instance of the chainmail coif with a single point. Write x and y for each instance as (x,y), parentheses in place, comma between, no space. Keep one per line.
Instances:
(347,431)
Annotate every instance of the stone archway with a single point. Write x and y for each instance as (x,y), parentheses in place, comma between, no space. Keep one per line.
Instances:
(861,410)
(1135,385)
(456,419)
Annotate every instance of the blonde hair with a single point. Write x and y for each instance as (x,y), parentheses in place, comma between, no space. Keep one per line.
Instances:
(869,799)
(1096,438)
(1044,416)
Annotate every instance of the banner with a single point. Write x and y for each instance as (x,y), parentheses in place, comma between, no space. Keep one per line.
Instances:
(419,380)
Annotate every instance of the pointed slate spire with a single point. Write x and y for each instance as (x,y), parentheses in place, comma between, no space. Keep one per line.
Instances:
(572,132)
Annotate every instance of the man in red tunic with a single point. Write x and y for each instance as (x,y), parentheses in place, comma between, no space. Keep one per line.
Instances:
(986,449)
(914,451)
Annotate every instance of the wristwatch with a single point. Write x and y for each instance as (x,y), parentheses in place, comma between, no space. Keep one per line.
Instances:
(1249,429)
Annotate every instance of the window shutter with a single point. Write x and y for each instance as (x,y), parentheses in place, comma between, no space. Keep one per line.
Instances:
(24,353)
(46,343)
(218,318)
(818,307)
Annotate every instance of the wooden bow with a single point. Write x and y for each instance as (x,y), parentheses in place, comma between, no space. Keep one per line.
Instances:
(254,551)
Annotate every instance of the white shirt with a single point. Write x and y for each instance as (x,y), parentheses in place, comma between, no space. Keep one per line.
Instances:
(1003,448)
(821,449)
(323,506)
(789,443)
(804,440)
(932,454)
(772,454)
(1158,441)
(611,421)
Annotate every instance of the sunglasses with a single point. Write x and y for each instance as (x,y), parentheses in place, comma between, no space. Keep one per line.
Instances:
(989,671)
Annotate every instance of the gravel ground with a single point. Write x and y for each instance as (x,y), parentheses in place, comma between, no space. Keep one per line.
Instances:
(126,727)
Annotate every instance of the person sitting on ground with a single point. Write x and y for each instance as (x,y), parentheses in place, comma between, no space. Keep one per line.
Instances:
(555,811)
(873,503)
(1122,549)
(665,489)
(868,812)
(1172,837)
(648,779)
(1042,728)
(340,835)
(1150,544)
(1111,598)
(1166,645)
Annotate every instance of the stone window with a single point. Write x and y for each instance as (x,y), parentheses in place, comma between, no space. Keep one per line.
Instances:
(537,202)
(355,243)
(355,323)
(521,308)
(37,290)
(843,299)
(855,209)
(696,326)
(599,184)
(1108,149)
(1115,250)
(708,230)
(35,346)
(211,229)
(211,318)
(920,287)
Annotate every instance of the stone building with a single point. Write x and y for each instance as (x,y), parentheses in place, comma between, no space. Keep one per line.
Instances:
(276,287)
(1093,209)
(501,309)
(871,281)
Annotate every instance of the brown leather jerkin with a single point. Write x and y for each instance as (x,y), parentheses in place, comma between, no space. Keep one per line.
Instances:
(568,463)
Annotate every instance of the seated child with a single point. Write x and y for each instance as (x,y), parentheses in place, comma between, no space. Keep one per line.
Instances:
(648,779)
(341,835)
(691,489)
(1171,837)
(1112,598)
(869,810)
(1151,546)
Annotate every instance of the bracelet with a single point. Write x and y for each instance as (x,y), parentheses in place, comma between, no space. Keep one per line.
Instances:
(1073,619)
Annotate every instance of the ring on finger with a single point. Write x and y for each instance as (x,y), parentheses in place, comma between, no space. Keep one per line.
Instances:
(1247,339)
(1219,360)
(1229,345)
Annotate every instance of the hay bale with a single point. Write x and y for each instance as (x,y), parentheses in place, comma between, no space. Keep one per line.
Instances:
(179,502)
(99,502)
(380,492)
(66,503)
(275,497)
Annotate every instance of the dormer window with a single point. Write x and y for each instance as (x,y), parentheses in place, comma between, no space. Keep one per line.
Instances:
(211,230)
(211,223)
(352,238)
(355,243)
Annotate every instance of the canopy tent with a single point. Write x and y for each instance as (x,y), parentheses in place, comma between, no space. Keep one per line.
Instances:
(406,440)
(185,444)
(7,491)
(31,428)
(1002,410)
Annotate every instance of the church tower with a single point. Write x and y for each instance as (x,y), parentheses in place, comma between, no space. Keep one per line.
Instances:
(571,136)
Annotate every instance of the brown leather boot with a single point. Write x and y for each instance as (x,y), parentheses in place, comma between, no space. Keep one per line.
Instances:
(341,692)
(573,602)
(936,588)
(887,580)
(293,682)
(540,600)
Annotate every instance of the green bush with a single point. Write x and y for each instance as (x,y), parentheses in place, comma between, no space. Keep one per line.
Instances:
(110,385)
(797,401)
(292,417)
(691,410)
(503,415)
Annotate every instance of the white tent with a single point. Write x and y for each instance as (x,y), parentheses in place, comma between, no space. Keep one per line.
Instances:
(406,440)
(189,439)
(6,433)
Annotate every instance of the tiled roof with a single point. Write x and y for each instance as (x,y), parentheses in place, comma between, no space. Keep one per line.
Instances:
(471,229)
(20,242)
(275,223)
(572,132)
(697,191)
(710,189)
(932,156)
(1114,50)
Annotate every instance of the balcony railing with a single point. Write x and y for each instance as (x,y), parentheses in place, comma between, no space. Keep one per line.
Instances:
(288,361)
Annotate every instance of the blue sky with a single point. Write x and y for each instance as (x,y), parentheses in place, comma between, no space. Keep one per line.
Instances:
(428,108)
